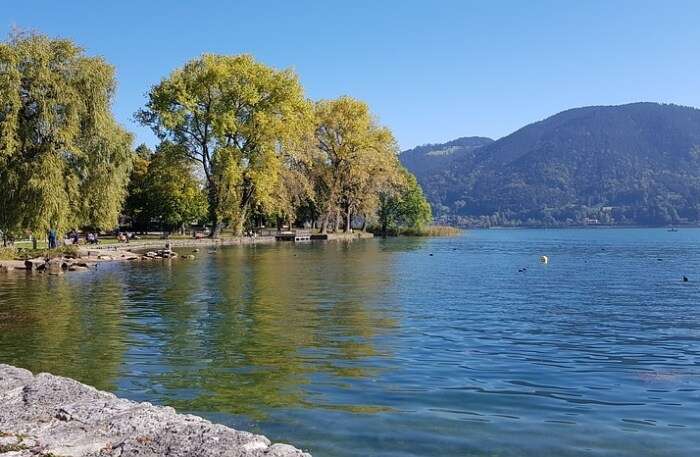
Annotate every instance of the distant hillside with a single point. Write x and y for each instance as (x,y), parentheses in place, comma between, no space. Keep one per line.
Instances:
(430,158)
(628,164)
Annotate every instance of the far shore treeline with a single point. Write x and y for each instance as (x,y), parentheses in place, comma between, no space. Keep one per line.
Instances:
(240,146)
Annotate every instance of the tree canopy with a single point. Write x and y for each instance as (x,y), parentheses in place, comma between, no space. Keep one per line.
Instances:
(64,160)
(355,159)
(237,118)
(174,196)
(240,146)
(403,205)
(136,205)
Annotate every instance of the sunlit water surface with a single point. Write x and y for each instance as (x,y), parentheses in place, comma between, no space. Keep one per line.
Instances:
(403,347)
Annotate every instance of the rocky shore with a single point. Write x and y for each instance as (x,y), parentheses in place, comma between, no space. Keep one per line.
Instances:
(84,261)
(52,416)
(90,256)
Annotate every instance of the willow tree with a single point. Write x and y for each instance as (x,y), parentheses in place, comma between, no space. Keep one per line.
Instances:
(356,157)
(64,161)
(236,118)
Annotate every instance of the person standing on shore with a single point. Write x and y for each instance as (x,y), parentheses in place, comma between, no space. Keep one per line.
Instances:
(52,239)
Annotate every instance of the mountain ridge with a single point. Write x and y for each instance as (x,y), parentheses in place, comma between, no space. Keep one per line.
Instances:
(425,158)
(637,163)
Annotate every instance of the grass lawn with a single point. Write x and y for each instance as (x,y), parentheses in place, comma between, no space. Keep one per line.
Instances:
(27,244)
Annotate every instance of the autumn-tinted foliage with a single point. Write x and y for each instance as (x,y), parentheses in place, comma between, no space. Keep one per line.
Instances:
(241,146)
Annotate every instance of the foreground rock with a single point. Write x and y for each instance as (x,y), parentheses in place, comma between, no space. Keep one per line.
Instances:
(46,415)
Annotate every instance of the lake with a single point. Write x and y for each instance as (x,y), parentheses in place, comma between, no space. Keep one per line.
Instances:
(464,346)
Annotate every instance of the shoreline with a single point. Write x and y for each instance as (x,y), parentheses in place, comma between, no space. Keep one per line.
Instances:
(579,227)
(138,250)
(48,415)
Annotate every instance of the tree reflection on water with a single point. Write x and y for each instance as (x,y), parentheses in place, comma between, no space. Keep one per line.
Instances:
(237,331)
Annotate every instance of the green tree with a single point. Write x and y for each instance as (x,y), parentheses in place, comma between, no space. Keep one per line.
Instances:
(355,158)
(103,177)
(235,117)
(403,205)
(173,195)
(136,204)
(64,161)
(414,209)
(294,196)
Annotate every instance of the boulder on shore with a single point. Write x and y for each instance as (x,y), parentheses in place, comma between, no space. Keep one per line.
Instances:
(55,266)
(52,415)
(38,264)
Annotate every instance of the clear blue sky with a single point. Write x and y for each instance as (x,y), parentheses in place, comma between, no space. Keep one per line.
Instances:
(431,70)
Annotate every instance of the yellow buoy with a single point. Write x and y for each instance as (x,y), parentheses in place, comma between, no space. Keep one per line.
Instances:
(544,259)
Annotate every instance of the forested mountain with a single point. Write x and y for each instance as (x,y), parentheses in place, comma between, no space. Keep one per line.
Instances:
(430,158)
(629,164)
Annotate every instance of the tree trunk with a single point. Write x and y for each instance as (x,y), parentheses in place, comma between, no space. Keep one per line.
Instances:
(216,229)
(213,206)
(348,220)
(239,223)
(33,242)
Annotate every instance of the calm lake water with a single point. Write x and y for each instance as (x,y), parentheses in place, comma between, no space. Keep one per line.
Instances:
(401,347)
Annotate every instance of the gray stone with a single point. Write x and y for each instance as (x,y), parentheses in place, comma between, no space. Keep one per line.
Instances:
(9,440)
(64,417)
(22,453)
(55,266)
(166,253)
(38,264)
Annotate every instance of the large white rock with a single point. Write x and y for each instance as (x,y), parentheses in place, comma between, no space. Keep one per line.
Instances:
(52,414)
